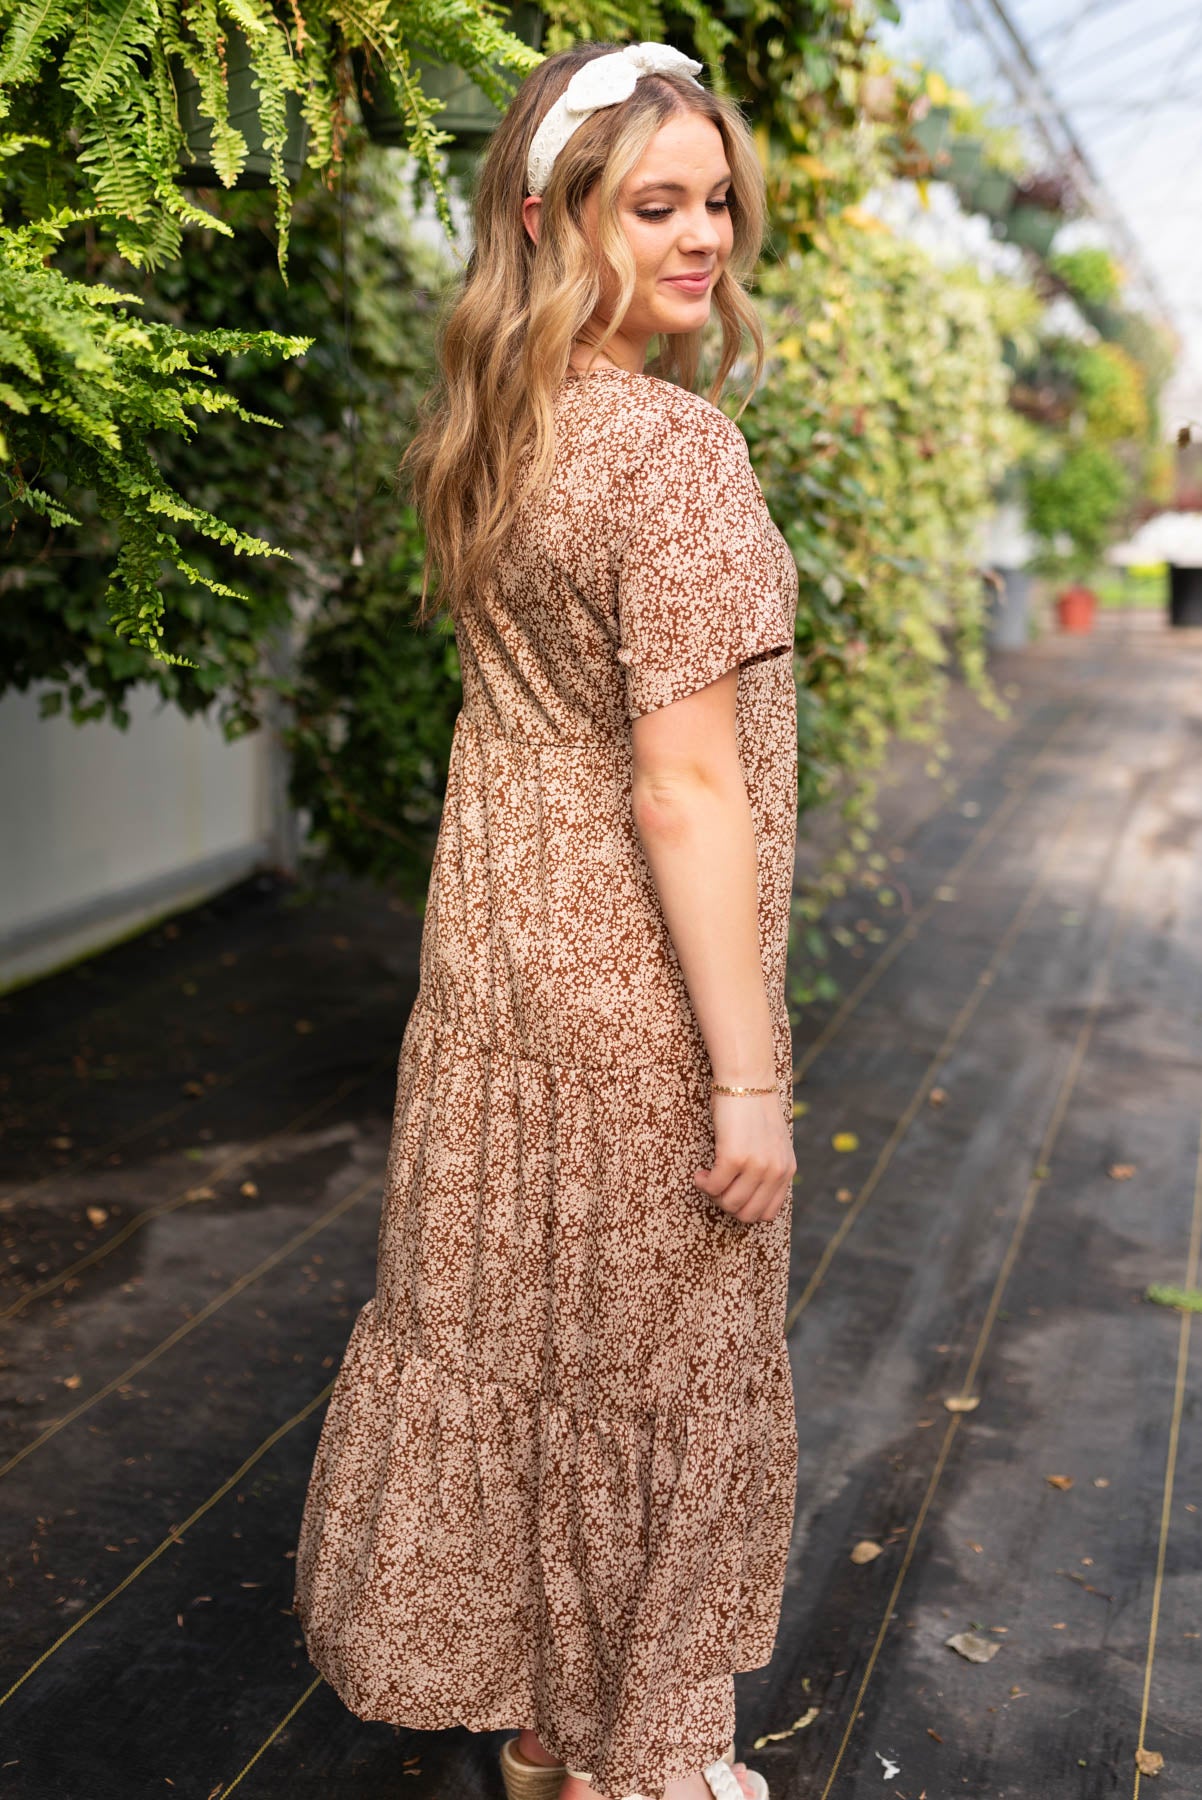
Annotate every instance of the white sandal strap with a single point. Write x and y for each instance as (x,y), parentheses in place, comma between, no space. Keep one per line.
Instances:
(723,1782)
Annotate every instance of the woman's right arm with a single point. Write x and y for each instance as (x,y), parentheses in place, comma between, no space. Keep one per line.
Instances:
(693,817)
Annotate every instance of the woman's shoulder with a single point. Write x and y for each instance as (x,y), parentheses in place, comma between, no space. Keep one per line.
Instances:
(674,426)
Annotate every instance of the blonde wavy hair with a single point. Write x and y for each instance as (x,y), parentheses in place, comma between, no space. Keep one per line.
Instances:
(484,447)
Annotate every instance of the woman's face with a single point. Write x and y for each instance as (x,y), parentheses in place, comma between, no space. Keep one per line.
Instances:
(673,209)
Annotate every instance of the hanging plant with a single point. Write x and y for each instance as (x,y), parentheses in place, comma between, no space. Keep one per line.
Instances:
(987,191)
(146,98)
(1031,227)
(1051,190)
(253,146)
(467,112)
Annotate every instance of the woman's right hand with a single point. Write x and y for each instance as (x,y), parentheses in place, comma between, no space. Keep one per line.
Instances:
(754,1160)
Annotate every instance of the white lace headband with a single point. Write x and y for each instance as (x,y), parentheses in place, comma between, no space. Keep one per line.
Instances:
(604,81)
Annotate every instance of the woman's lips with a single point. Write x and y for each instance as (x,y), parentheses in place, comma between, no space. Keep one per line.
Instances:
(689,284)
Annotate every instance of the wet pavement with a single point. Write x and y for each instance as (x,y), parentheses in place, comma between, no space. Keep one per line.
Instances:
(195,1130)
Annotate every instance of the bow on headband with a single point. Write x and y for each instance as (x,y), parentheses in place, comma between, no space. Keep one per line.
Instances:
(605,81)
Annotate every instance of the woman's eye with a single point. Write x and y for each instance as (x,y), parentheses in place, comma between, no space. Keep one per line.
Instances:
(662,212)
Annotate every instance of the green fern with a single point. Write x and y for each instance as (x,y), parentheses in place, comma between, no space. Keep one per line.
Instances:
(87,383)
(103,60)
(31,38)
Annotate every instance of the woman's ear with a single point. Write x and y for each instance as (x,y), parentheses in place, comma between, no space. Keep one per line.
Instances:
(531,214)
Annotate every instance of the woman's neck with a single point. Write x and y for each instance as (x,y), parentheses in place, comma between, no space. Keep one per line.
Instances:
(618,354)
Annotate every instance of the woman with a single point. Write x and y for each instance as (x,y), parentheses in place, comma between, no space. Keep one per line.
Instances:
(554,1489)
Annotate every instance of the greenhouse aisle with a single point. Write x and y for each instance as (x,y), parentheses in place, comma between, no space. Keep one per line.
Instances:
(996,1578)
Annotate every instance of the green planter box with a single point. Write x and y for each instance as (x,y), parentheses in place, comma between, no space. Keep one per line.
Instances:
(198,170)
(468,113)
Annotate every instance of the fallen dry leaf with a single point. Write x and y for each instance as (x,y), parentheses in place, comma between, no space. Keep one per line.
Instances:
(972,1646)
(865,1551)
(1149,1762)
(962,1402)
(97,1215)
(774,1737)
(1059,1481)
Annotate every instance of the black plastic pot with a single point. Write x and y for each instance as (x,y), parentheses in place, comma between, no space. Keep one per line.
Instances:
(198,170)
(468,114)
(1185,595)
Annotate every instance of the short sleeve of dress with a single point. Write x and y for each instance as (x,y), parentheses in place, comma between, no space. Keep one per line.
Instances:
(699,578)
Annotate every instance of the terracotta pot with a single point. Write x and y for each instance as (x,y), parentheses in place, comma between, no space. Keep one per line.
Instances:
(1075,608)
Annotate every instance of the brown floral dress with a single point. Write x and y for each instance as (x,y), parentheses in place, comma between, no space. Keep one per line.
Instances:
(555,1483)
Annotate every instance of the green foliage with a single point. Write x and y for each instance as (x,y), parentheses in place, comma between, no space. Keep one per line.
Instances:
(878,435)
(1112,392)
(1079,495)
(1089,273)
(86,384)
(102,83)
(308,486)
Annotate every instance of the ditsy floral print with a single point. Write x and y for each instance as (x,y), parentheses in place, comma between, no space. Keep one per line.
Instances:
(555,1482)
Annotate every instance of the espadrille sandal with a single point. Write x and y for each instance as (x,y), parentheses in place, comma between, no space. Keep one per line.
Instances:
(720,1778)
(526,1780)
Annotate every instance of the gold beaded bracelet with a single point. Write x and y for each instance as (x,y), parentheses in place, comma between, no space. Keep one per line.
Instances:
(717,1088)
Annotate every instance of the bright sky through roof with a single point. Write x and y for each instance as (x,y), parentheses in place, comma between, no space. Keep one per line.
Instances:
(1127,75)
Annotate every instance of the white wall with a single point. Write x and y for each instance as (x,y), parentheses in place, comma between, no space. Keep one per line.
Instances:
(103,830)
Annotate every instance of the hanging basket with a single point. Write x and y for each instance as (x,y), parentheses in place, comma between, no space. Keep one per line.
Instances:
(468,114)
(989,191)
(1032,227)
(964,159)
(197,169)
(931,134)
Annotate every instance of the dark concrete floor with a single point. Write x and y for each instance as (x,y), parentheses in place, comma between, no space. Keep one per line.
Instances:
(195,1128)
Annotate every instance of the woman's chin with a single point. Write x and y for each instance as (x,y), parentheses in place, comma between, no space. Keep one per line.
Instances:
(685,315)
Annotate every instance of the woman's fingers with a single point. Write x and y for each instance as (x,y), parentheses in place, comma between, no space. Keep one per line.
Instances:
(749,1191)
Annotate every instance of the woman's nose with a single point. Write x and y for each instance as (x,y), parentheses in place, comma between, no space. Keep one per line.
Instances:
(700,232)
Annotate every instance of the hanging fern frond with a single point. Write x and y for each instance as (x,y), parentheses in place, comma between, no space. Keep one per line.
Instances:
(113,151)
(102,60)
(30,37)
(86,384)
